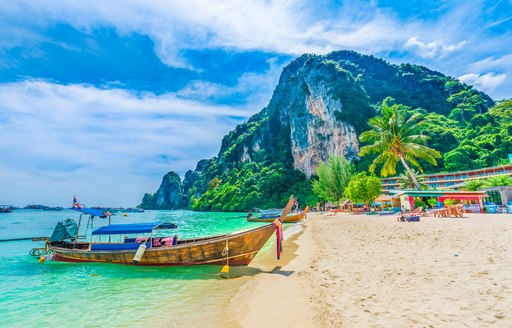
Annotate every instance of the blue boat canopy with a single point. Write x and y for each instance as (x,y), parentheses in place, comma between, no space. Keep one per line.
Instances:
(115,229)
(93,211)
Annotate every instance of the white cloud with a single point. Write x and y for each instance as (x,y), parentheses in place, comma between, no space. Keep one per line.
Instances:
(289,27)
(109,146)
(492,63)
(484,82)
(257,85)
(432,49)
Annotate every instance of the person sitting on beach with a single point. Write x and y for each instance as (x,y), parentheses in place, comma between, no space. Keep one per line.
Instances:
(402,214)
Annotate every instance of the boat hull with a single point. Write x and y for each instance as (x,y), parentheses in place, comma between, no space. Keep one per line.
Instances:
(288,219)
(243,247)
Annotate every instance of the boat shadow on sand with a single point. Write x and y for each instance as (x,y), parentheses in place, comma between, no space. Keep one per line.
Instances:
(253,271)
(116,271)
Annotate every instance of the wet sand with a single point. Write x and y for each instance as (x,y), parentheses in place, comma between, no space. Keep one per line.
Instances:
(371,271)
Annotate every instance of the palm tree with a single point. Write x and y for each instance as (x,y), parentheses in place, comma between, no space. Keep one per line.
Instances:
(394,136)
(473,185)
(333,178)
(406,181)
(498,181)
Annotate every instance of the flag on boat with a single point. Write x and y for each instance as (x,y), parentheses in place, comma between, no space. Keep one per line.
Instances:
(75,203)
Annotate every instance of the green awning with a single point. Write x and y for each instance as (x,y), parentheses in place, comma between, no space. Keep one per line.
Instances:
(426,195)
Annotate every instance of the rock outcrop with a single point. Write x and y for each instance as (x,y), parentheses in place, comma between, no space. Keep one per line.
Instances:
(168,196)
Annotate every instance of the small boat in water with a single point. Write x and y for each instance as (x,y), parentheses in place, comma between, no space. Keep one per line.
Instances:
(271,215)
(134,210)
(154,243)
(292,218)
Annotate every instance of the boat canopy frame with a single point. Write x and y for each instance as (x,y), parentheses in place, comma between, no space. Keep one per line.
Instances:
(131,228)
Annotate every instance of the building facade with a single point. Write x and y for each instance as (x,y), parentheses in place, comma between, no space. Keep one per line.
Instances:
(449,180)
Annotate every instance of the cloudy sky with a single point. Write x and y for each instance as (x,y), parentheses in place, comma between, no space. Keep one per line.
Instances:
(102,98)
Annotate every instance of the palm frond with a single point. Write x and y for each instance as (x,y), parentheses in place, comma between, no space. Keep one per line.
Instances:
(395,134)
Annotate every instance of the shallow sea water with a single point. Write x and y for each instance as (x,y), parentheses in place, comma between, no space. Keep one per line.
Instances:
(56,294)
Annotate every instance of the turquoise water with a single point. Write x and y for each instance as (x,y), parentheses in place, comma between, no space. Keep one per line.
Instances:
(55,294)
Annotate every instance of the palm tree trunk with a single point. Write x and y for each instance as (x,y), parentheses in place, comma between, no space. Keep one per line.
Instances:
(411,174)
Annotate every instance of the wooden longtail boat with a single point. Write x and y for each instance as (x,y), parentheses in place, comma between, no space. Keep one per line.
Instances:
(242,247)
(237,248)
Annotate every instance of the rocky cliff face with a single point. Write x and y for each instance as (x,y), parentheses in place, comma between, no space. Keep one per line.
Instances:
(319,107)
(168,196)
(313,102)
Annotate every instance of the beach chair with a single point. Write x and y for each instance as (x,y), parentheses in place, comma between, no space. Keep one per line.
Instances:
(455,210)
(460,209)
(421,212)
(417,212)
(450,210)
(442,212)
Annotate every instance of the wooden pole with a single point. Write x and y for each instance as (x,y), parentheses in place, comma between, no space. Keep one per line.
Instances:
(288,207)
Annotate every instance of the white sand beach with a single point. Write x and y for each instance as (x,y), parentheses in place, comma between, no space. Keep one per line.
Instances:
(371,271)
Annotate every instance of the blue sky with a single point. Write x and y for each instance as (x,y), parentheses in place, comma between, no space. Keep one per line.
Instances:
(102,98)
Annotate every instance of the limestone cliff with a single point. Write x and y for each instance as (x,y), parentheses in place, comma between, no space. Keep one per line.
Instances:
(320,103)
(168,196)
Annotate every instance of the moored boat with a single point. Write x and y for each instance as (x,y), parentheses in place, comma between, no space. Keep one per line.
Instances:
(292,218)
(271,215)
(154,243)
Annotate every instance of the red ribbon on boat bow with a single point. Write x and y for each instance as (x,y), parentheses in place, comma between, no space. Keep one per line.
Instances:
(279,235)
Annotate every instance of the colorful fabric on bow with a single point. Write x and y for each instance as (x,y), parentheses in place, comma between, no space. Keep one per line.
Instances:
(279,234)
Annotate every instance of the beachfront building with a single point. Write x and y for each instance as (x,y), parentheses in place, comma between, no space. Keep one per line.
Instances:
(499,195)
(451,180)
(473,200)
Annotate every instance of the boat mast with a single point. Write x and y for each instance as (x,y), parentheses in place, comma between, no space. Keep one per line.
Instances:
(78,229)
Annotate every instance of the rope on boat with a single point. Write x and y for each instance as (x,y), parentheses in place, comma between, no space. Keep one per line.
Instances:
(224,272)
(225,252)
(40,251)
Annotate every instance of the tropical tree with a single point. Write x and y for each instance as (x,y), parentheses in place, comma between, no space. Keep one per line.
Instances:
(394,135)
(498,181)
(432,202)
(406,181)
(467,103)
(363,188)
(474,185)
(449,202)
(333,178)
